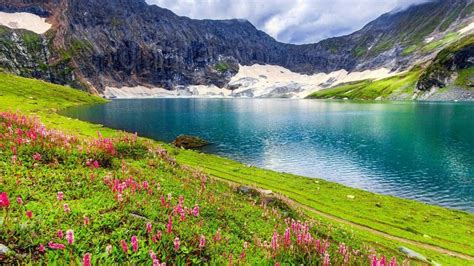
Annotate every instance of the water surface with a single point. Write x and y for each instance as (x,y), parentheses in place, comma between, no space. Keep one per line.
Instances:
(421,151)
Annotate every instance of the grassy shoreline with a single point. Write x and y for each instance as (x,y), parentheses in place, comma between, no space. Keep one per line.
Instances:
(426,224)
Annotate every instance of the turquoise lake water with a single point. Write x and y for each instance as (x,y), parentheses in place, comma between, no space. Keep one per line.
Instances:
(421,151)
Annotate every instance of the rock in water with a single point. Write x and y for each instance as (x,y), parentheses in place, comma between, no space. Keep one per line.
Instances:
(189,142)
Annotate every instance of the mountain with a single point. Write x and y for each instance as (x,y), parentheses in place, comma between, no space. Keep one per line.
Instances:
(93,45)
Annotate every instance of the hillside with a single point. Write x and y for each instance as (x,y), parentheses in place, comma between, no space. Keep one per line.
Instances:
(93,45)
(85,166)
(449,76)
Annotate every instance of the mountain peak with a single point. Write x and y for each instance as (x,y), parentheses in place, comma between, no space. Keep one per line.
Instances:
(128,42)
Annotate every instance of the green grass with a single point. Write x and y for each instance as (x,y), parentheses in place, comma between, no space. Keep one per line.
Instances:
(447,39)
(409,219)
(45,99)
(371,90)
(410,49)
(465,78)
(222,67)
(449,229)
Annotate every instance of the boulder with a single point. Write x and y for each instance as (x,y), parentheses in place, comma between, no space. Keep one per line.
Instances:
(189,142)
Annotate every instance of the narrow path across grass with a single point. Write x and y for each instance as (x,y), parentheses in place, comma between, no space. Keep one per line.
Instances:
(360,226)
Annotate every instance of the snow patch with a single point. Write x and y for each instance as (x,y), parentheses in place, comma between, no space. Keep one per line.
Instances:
(140,92)
(467,29)
(276,81)
(23,20)
(256,81)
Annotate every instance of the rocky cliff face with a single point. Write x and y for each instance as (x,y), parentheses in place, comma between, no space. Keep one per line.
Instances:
(453,65)
(31,55)
(127,43)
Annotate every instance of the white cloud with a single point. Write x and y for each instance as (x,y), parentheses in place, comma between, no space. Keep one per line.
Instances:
(295,21)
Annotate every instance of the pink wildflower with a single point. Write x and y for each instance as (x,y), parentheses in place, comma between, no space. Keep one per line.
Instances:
(19,200)
(163,201)
(95,164)
(4,200)
(60,234)
(342,248)
(374,260)
(148,228)
(196,210)
(217,237)
(14,150)
(176,243)
(327,260)
(119,197)
(87,259)
(275,241)
(70,236)
(152,254)
(41,248)
(393,262)
(134,243)
(124,245)
(29,214)
(202,241)
(60,195)
(86,220)
(66,208)
(287,237)
(37,157)
(169,226)
(53,245)
(159,234)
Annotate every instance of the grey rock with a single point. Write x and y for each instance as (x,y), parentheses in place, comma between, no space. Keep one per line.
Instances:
(412,254)
(4,250)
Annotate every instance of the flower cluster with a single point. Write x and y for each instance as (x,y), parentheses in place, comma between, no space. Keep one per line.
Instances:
(177,230)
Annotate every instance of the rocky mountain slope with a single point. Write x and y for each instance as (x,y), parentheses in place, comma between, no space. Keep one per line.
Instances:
(125,43)
(449,76)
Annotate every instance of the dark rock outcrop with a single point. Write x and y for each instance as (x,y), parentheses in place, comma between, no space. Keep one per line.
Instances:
(189,142)
(30,55)
(448,64)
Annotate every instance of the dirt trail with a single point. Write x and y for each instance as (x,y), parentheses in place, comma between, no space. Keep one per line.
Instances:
(385,235)
(359,226)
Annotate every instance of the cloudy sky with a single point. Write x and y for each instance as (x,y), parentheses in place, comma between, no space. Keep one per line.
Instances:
(293,21)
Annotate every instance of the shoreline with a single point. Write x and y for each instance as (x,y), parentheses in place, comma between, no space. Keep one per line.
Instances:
(448,229)
(314,177)
(298,99)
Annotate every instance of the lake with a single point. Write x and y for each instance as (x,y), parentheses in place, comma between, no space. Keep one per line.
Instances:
(422,151)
